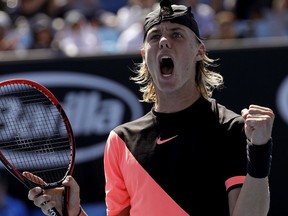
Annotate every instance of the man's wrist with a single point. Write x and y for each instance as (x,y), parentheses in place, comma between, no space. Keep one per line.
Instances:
(259,159)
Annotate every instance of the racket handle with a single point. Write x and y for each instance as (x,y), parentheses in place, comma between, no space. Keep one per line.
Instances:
(65,202)
(53,212)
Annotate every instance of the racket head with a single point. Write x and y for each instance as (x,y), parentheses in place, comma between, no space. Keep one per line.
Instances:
(35,134)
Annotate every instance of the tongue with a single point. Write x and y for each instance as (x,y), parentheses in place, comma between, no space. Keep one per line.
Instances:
(166,70)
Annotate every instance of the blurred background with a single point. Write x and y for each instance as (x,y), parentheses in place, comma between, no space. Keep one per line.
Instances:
(84,51)
(93,27)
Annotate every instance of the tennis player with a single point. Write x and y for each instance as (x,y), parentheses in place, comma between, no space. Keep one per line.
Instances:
(189,155)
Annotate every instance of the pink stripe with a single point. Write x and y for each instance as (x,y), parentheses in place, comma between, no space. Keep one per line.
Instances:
(234,181)
(130,184)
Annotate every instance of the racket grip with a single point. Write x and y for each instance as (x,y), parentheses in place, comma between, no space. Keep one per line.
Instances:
(53,212)
(65,201)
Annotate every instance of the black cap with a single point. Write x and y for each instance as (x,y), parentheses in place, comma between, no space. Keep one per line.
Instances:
(174,13)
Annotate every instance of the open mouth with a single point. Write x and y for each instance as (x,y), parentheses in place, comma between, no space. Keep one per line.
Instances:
(166,66)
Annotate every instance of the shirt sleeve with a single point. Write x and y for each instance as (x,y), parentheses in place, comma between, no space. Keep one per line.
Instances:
(117,197)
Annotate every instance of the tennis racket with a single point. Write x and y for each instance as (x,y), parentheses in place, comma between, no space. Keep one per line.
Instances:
(35,136)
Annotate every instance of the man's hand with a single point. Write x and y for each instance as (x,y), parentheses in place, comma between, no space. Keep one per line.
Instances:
(258,124)
(50,198)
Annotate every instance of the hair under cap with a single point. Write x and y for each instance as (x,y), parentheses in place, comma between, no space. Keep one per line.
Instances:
(174,13)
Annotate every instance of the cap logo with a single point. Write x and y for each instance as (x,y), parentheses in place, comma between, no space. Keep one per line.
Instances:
(166,9)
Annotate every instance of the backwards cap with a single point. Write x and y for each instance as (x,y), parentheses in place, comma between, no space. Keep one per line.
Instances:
(174,13)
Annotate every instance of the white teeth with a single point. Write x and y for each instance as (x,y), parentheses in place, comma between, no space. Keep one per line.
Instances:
(165,57)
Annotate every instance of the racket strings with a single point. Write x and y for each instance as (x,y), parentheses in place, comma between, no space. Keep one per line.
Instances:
(33,136)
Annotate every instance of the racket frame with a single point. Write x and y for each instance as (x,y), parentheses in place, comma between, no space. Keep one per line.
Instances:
(25,181)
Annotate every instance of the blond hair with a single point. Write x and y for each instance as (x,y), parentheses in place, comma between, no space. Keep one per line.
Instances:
(206,79)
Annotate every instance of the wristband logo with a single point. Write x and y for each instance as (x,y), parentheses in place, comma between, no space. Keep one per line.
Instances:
(282,99)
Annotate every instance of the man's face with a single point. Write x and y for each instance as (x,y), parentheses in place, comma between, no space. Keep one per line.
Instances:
(171,52)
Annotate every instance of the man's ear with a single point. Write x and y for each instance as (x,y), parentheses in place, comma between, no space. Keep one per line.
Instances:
(142,53)
(201,52)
